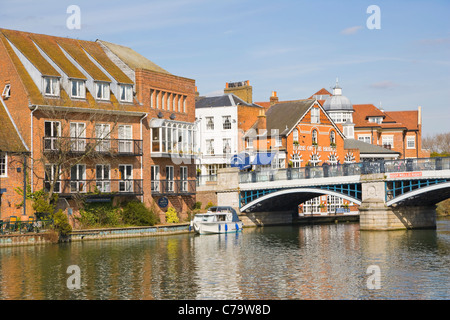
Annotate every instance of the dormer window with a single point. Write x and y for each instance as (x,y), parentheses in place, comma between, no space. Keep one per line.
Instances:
(126,93)
(78,89)
(51,86)
(102,91)
(376,119)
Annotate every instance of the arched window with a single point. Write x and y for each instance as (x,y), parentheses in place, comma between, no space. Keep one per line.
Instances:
(314,137)
(333,138)
(295,136)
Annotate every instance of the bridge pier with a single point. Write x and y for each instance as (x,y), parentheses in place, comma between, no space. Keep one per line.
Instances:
(376,215)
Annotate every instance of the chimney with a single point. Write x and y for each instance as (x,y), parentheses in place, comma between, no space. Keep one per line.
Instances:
(419,116)
(196,92)
(262,121)
(241,89)
(273,98)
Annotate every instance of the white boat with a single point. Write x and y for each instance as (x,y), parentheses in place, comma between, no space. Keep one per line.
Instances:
(217,220)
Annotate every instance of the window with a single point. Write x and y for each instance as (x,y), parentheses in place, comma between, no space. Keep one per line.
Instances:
(227,146)
(78,89)
(3,164)
(184,104)
(295,136)
(52,130)
(102,134)
(209,123)
(314,137)
(6,91)
(102,90)
(333,138)
(126,178)
(49,175)
(126,93)
(315,160)
(365,138)
(158,94)
(410,142)
(163,100)
(51,86)
(103,182)
(125,139)
(210,146)
(388,141)
(376,119)
(155,183)
(77,178)
(226,122)
(278,141)
(78,136)
(184,179)
(155,140)
(296,161)
(152,98)
(170,184)
(249,143)
(315,115)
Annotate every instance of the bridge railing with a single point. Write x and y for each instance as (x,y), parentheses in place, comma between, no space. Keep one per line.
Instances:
(347,169)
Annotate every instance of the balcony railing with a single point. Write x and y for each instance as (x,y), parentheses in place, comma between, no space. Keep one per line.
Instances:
(120,147)
(96,187)
(173,187)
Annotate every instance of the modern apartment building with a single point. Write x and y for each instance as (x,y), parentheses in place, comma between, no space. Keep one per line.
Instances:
(101,121)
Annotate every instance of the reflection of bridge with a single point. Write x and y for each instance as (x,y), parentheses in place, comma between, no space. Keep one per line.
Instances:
(387,191)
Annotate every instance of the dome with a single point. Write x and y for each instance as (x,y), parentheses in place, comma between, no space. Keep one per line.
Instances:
(337,101)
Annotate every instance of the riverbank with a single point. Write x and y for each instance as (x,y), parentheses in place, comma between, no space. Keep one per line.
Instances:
(42,238)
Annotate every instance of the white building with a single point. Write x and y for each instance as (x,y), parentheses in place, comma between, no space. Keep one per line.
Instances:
(219,129)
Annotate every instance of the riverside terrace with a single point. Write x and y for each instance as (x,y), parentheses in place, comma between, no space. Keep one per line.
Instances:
(392,187)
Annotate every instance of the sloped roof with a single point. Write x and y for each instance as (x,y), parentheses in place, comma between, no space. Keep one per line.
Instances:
(410,118)
(225,100)
(321,92)
(133,59)
(366,148)
(284,116)
(9,138)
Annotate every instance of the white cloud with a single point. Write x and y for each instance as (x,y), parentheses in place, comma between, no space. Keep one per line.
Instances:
(351,30)
(384,85)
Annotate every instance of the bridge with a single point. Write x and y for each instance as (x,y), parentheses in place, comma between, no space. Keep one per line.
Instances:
(391,194)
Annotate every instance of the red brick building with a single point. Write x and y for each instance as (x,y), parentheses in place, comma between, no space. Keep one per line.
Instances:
(100,120)
(13,155)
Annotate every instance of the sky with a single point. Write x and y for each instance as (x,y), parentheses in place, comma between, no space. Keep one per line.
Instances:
(290,46)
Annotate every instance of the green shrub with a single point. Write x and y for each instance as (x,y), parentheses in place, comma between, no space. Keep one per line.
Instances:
(172,216)
(61,223)
(209,205)
(197,205)
(99,214)
(136,213)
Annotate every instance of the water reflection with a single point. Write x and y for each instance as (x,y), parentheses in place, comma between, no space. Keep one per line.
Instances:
(289,262)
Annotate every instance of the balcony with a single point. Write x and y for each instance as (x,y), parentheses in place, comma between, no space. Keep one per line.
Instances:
(92,188)
(97,146)
(173,187)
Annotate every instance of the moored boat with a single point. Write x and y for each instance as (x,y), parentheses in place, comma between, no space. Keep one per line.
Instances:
(219,219)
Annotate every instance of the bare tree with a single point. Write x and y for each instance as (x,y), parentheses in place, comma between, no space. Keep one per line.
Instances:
(437,143)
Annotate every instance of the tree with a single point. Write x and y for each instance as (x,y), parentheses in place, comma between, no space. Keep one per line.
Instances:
(438,144)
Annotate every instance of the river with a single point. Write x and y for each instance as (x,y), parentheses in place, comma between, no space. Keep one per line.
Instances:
(328,262)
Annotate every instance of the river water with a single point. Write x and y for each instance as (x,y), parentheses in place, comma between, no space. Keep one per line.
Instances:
(281,262)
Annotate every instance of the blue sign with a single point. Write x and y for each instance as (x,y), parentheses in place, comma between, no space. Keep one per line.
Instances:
(163,202)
